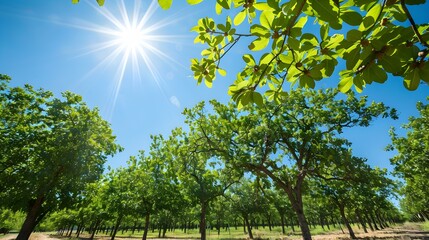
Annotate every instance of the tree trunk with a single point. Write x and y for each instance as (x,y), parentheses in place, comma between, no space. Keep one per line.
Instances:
(342,230)
(295,198)
(69,233)
(361,221)
(269,222)
(282,219)
(321,222)
(373,221)
(115,230)
(31,219)
(249,228)
(369,222)
(305,230)
(96,225)
(292,225)
(244,226)
(346,222)
(146,226)
(203,220)
(380,221)
(164,230)
(79,228)
(327,223)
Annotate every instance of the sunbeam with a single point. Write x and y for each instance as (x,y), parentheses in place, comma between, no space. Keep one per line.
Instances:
(131,40)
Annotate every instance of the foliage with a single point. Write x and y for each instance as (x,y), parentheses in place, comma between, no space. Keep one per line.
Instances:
(365,41)
(202,174)
(411,161)
(287,142)
(11,220)
(51,148)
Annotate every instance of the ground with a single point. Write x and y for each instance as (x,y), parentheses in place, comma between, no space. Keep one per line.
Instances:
(399,232)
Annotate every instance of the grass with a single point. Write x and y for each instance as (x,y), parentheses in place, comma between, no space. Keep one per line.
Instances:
(425,226)
(232,233)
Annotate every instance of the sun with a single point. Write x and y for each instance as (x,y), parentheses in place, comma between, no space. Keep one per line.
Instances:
(132,41)
(131,38)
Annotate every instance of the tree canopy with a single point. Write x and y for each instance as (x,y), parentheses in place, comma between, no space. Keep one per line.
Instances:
(51,148)
(287,142)
(411,161)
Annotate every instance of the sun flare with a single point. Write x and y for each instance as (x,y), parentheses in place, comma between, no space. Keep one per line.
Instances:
(131,39)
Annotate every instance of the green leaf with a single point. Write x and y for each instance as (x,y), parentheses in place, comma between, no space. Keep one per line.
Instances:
(316,72)
(424,72)
(257,98)
(296,30)
(286,58)
(259,31)
(306,81)
(259,44)
(261,6)
(327,11)
(352,56)
(412,79)
(391,64)
(308,41)
(249,59)
(324,32)
(335,41)
(265,59)
(100,2)
(345,84)
(351,17)
(398,13)
(165,4)
(218,9)
(224,3)
(266,19)
(293,43)
(354,35)
(75,1)
(208,83)
(328,67)
(377,74)
(239,18)
(193,2)
(358,83)
(371,16)
(222,72)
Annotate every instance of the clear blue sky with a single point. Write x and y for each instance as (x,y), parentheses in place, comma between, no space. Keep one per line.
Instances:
(56,45)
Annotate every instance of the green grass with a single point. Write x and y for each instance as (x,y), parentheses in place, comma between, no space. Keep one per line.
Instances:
(262,233)
(425,226)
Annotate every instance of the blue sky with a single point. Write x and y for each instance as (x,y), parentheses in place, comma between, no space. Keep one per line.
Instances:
(53,45)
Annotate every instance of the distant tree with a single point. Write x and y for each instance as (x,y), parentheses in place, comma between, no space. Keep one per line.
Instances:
(51,148)
(200,172)
(156,186)
(247,201)
(361,187)
(412,164)
(283,207)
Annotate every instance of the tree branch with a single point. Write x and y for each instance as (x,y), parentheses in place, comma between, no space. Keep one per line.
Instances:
(413,24)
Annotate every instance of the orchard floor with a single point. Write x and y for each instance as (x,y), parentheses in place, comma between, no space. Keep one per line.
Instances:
(406,231)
